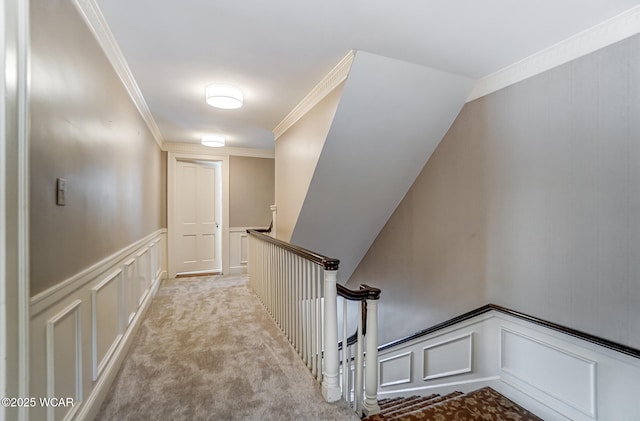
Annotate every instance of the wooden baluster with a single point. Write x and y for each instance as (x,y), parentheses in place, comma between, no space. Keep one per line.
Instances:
(330,384)
(289,297)
(318,324)
(314,324)
(345,362)
(370,406)
(352,376)
(307,310)
(357,390)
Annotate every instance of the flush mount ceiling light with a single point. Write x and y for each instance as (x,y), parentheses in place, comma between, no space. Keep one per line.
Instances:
(213,140)
(224,96)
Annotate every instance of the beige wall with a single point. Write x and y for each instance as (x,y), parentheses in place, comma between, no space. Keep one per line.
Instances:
(84,128)
(531,201)
(251,191)
(297,152)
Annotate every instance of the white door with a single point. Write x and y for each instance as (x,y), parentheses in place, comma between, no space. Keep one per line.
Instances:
(198,217)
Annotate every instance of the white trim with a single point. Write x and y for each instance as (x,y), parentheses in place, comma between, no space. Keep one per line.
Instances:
(98,370)
(14,211)
(98,366)
(237,266)
(129,271)
(74,307)
(139,270)
(91,406)
(336,76)
(590,411)
(45,299)
(23,107)
(463,370)
(395,357)
(606,33)
(172,159)
(92,15)
(197,148)
(595,379)
(4,309)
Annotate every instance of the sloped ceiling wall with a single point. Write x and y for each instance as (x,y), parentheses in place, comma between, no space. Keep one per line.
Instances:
(297,152)
(391,116)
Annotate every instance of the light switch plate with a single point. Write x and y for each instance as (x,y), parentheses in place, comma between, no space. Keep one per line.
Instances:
(61,193)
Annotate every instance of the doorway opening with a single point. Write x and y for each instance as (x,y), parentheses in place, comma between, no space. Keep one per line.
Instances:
(197,203)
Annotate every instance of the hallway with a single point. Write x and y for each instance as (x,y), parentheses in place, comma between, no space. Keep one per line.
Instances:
(207,350)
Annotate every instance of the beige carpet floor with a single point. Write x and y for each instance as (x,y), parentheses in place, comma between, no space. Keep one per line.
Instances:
(207,350)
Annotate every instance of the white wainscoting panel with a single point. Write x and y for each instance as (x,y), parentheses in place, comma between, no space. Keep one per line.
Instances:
(454,358)
(238,249)
(244,249)
(106,299)
(448,358)
(554,375)
(396,370)
(554,371)
(153,257)
(143,270)
(130,290)
(64,358)
(81,329)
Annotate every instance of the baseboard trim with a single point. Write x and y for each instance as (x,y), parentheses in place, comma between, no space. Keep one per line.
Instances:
(238,270)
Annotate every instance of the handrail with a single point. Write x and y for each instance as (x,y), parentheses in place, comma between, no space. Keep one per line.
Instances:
(328,263)
(265,230)
(299,289)
(606,343)
(364,293)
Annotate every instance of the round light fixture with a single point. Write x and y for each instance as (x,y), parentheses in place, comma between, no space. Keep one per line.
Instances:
(224,96)
(213,140)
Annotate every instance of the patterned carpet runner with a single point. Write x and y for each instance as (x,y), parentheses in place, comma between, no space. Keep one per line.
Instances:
(483,404)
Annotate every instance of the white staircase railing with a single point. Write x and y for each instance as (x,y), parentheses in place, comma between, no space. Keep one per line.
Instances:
(299,290)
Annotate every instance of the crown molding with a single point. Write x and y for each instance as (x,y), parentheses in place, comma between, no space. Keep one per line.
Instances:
(95,20)
(606,33)
(336,76)
(197,148)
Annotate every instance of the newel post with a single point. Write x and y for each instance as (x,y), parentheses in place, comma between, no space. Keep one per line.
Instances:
(330,382)
(370,406)
(274,222)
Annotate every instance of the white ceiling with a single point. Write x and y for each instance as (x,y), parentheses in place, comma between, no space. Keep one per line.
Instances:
(276,51)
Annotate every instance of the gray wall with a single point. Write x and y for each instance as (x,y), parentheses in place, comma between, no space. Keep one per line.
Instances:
(531,201)
(85,128)
(251,191)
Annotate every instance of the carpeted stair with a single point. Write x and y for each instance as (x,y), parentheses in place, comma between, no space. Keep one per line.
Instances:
(483,404)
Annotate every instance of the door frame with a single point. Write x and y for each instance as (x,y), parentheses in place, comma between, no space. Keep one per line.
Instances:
(14,206)
(172,160)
